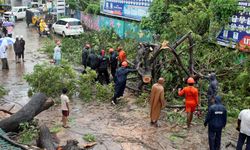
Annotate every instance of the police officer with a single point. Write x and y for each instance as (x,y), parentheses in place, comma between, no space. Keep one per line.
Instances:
(85,54)
(120,80)
(113,61)
(103,67)
(216,120)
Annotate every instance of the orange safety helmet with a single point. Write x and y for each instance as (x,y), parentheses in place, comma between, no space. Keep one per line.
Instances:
(111,50)
(190,80)
(124,64)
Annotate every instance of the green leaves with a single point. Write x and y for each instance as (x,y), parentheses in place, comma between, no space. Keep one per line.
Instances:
(2,91)
(51,79)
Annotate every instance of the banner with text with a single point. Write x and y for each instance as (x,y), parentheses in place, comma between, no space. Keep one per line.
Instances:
(130,9)
(237,33)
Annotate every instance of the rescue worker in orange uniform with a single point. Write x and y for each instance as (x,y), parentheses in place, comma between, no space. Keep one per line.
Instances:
(121,55)
(191,99)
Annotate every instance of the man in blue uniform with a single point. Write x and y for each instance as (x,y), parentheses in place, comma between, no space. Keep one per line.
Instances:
(216,120)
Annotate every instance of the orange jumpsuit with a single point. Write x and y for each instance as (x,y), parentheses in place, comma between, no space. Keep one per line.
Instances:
(122,56)
(191,96)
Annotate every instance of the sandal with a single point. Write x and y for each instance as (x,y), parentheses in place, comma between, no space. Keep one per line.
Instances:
(66,126)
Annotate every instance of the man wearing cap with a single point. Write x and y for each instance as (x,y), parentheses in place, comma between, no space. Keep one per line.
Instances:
(191,99)
(157,101)
(120,81)
(22,47)
(121,55)
(113,61)
(17,49)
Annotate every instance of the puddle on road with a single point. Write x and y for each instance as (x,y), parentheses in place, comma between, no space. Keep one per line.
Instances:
(12,80)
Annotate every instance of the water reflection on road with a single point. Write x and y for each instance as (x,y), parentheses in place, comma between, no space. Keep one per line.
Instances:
(12,80)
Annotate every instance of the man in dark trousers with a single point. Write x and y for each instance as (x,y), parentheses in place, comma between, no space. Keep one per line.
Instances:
(212,89)
(113,61)
(244,129)
(103,68)
(216,120)
(120,81)
(93,60)
(17,50)
(22,47)
(85,54)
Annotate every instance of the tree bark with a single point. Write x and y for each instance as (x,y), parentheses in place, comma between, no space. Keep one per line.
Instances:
(45,139)
(71,145)
(38,103)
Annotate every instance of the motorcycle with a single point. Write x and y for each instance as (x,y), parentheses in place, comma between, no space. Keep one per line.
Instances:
(45,32)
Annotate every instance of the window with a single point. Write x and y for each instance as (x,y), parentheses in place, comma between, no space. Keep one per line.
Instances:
(75,23)
(20,10)
(58,22)
(63,23)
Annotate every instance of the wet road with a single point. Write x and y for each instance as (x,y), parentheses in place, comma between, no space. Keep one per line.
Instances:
(12,80)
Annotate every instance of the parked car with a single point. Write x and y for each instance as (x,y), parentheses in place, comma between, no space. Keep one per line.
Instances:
(33,16)
(18,12)
(67,27)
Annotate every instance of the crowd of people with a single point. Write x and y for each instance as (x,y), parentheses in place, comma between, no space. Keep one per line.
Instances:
(116,62)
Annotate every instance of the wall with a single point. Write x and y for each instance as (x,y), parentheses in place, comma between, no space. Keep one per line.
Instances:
(124,29)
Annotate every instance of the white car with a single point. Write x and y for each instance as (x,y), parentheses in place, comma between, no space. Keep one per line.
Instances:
(18,12)
(68,26)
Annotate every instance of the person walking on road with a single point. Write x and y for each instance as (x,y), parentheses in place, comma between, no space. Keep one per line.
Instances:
(103,68)
(244,129)
(22,47)
(191,99)
(216,120)
(157,101)
(85,54)
(113,61)
(120,81)
(65,107)
(57,53)
(3,54)
(17,49)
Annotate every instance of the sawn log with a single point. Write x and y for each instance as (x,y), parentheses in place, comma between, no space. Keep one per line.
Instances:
(38,103)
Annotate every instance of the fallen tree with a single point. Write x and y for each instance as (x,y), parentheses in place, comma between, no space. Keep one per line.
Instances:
(38,103)
(45,139)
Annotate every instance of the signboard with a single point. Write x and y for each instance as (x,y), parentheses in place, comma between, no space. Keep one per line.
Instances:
(130,9)
(60,7)
(237,33)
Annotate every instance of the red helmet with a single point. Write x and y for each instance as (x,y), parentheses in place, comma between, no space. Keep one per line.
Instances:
(124,64)
(190,80)
(111,50)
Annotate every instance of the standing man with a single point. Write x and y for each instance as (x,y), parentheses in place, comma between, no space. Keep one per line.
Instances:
(244,128)
(212,89)
(121,55)
(191,99)
(216,119)
(157,101)
(57,53)
(17,50)
(93,60)
(103,67)
(22,47)
(113,61)
(120,81)
(3,54)
(85,54)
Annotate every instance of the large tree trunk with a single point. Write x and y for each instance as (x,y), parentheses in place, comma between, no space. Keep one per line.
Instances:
(38,103)
(45,139)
